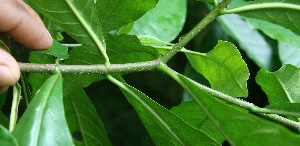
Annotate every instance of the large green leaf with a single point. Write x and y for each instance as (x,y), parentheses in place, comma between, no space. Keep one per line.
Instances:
(164,22)
(281,12)
(237,125)
(256,48)
(117,13)
(275,32)
(83,120)
(281,86)
(44,122)
(164,127)
(6,138)
(224,68)
(78,18)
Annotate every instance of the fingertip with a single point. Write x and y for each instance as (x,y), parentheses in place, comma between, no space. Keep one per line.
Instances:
(9,69)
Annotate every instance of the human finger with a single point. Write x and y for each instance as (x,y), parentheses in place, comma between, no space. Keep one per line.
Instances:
(9,70)
(21,22)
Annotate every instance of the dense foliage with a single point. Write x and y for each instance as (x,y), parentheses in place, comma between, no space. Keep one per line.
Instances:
(112,77)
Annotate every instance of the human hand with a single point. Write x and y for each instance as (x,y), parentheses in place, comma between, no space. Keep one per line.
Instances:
(20,22)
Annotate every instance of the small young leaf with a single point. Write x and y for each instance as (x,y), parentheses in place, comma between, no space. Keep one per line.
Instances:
(115,13)
(57,50)
(6,138)
(164,127)
(43,122)
(224,68)
(164,22)
(281,86)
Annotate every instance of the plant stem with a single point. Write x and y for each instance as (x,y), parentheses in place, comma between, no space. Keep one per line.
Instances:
(199,27)
(14,107)
(267,5)
(238,102)
(89,69)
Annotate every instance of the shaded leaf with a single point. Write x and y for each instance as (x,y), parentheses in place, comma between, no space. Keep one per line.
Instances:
(281,86)
(164,22)
(289,54)
(224,68)
(275,32)
(164,126)
(115,13)
(43,122)
(237,125)
(6,138)
(84,123)
(285,16)
(257,48)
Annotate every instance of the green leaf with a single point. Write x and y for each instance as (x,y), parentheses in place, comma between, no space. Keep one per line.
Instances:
(275,32)
(289,54)
(237,125)
(210,1)
(43,122)
(284,13)
(197,118)
(224,68)
(57,50)
(78,18)
(164,126)
(84,123)
(115,13)
(257,48)
(6,138)
(281,86)
(164,22)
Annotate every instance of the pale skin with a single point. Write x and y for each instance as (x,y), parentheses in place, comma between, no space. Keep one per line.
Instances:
(20,22)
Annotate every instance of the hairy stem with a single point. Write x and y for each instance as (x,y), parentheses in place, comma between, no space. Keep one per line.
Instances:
(267,5)
(198,28)
(232,100)
(89,69)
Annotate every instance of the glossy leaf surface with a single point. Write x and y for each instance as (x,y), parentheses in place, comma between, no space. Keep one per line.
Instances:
(224,68)
(44,120)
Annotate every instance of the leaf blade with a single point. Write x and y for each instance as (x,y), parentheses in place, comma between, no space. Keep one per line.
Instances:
(45,118)
(224,69)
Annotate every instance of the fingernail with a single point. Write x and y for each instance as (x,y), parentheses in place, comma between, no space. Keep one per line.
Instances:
(3,89)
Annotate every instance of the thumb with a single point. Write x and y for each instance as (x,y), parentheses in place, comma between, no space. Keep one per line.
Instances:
(9,70)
